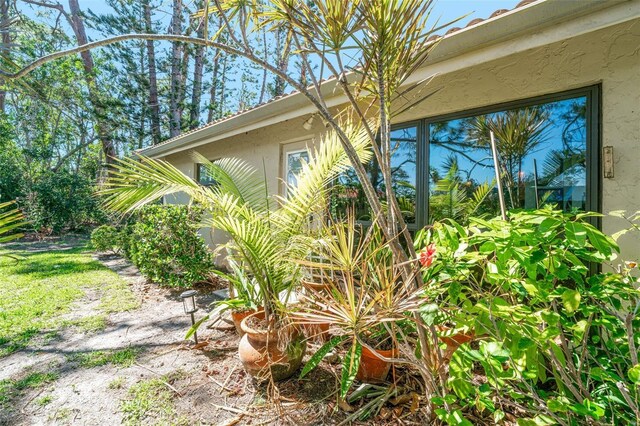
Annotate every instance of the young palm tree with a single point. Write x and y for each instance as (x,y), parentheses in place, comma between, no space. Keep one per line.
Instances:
(267,233)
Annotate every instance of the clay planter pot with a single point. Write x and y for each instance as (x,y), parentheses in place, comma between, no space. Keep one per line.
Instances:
(318,331)
(238,316)
(372,369)
(454,341)
(316,287)
(263,355)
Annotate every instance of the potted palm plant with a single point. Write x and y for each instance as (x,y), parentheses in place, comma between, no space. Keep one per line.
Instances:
(266,233)
(363,305)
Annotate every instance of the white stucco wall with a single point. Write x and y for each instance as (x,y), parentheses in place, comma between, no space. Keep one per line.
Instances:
(609,57)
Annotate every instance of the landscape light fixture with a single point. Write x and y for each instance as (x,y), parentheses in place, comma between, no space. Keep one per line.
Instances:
(189,302)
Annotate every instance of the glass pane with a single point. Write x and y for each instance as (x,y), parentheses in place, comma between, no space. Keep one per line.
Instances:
(204,178)
(347,191)
(542,151)
(294,166)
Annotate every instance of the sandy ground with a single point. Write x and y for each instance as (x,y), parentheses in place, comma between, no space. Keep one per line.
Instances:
(212,388)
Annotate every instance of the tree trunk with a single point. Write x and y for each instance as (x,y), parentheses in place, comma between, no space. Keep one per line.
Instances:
(263,88)
(5,46)
(214,88)
(176,71)
(182,89)
(214,82)
(223,84)
(283,51)
(102,127)
(153,80)
(196,94)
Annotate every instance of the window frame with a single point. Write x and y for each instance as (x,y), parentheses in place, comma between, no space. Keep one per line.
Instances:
(593,141)
(286,149)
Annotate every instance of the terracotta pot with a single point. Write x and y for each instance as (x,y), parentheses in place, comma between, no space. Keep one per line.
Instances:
(372,369)
(318,331)
(454,341)
(264,355)
(238,316)
(316,287)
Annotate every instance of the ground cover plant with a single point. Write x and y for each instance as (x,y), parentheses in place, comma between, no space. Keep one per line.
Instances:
(40,287)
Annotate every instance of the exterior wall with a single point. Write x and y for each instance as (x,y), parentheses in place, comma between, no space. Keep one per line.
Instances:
(609,57)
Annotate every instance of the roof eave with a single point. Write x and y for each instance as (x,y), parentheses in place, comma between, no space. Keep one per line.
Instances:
(533,17)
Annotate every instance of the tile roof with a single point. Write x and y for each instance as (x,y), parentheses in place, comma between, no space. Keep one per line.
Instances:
(434,37)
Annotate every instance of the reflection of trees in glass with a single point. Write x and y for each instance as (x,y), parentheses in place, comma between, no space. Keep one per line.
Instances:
(347,191)
(457,198)
(566,167)
(518,133)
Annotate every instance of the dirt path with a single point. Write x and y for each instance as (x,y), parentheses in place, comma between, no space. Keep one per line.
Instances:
(160,378)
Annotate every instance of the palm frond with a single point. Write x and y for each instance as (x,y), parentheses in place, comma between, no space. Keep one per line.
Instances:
(235,176)
(133,184)
(9,221)
(327,161)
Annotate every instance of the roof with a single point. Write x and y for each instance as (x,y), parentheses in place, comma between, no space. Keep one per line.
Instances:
(527,15)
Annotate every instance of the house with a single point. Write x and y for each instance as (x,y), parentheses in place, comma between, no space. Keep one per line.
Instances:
(568,71)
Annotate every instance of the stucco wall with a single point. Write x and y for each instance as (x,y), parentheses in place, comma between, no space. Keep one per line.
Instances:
(609,57)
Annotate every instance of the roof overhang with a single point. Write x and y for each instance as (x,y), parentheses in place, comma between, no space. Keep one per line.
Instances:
(521,29)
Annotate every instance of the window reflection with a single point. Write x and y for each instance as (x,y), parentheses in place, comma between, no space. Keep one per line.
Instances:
(294,166)
(542,152)
(347,191)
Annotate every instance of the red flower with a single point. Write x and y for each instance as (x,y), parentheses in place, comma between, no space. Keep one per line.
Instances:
(427,255)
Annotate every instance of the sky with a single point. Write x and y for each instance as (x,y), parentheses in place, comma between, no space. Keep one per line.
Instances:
(448,10)
(445,10)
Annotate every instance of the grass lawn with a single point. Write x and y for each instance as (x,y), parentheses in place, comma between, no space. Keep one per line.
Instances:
(38,289)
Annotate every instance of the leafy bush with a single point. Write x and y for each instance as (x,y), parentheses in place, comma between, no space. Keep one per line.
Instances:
(62,201)
(164,244)
(107,238)
(555,342)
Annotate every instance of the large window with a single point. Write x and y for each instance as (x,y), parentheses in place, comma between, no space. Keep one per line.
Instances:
(443,168)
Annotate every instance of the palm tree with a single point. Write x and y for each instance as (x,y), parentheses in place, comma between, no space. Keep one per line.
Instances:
(454,198)
(267,233)
(518,133)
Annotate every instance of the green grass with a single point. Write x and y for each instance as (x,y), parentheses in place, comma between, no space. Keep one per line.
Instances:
(13,388)
(151,402)
(89,324)
(44,401)
(37,290)
(117,383)
(60,415)
(121,358)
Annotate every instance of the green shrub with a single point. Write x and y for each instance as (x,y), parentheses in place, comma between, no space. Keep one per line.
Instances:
(552,337)
(62,201)
(165,245)
(107,238)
